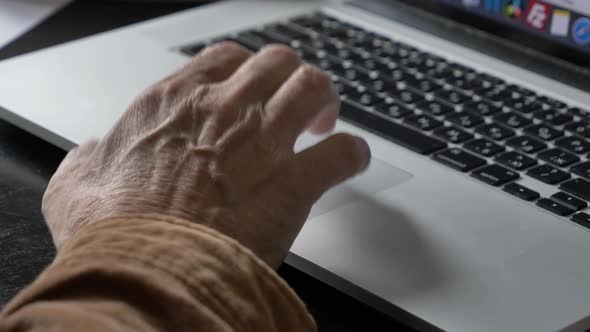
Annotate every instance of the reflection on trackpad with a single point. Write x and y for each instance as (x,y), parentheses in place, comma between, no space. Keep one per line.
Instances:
(378,177)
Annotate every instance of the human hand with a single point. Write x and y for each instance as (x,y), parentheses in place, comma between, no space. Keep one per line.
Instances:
(213,144)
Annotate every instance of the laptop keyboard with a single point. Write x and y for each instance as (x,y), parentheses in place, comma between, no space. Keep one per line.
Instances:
(460,117)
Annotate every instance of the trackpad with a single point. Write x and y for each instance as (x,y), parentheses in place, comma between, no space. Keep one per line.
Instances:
(378,177)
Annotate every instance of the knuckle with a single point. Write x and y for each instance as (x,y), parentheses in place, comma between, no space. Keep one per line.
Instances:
(172,88)
(315,78)
(199,97)
(281,52)
(152,95)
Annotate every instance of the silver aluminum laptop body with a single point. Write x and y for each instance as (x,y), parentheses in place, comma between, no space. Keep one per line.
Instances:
(410,237)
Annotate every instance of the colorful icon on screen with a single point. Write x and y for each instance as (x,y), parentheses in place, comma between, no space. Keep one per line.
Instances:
(514,8)
(581,31)
(494,6)
(538,15)
(560,25)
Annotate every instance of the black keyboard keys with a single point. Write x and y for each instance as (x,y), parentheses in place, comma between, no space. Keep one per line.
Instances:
(548,174)
(581,128)
(434,107)
(552,102)
(452,97)
(405,96)
(521,192)
(394,110)
(554,207)
(495,175)
(399,134)
(453,134)
(577,187)
(574,144)
(558,157)
(495,131)
(423,122)
(582,169)
(572,202)
(582,219)
(512,120)
(543,132)
(481,107)
(425,85)
(525,106)
(465,119)
(553,117)
(459,159)
(515,160)
(526,144)
(365,97)
(483,147)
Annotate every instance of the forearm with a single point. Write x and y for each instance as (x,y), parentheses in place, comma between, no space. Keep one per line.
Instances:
(155,274)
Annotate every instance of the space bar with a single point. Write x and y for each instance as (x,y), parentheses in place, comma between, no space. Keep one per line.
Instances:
(399,134)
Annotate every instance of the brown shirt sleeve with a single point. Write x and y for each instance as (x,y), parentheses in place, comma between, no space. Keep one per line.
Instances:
(155,274)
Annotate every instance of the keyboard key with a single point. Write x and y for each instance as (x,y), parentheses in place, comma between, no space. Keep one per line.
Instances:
(553,117)
(423,122)
(452,97)
(554,207)
(543,132)
(399,134)
(521,90)
(253,40)
(453,134)
(523,105)
(515,160)
(434,107)
(548,174)
(465,119)
(459,159)
(425,85)
(582,169)
(572,202)
(582,113)
(495,175)
(380,85)
(406,97)
(526,144)
(495,131)
(521,192)
(365,98)
(483,147)
(558,157)
(577,187)
(481,107)
(193,49)
(462,83)
(574,144)
(394,110)
(342,87)
(552,102)
(494,95)
(512,120)
(582,219)
(581,128)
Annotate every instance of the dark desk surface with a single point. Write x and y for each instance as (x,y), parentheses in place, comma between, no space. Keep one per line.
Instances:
(26,164)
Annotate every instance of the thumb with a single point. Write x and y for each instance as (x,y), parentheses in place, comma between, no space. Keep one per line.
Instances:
(332,161)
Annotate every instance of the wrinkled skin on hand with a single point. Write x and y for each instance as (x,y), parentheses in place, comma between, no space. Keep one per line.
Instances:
(213,144)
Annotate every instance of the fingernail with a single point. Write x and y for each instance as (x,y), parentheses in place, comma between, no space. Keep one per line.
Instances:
(364,150)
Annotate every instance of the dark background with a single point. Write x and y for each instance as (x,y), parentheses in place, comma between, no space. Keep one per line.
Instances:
(27,163)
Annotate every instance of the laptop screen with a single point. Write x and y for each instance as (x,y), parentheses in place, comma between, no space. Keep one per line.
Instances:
(557,27)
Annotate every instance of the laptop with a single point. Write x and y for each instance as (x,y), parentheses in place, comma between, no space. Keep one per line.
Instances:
(473,214)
